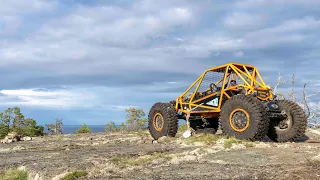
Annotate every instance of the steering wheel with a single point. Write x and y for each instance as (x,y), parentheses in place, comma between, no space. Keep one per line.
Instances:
(213,87)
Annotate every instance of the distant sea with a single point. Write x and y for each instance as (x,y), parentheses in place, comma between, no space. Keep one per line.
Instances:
(69,129)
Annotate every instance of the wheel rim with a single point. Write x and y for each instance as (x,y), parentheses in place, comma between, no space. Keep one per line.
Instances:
(158,122)
(239,120)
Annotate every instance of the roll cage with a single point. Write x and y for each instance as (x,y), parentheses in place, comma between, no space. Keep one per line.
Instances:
(215,85)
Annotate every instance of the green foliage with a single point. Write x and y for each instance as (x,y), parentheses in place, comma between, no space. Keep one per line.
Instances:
(28,127)
(75,175)
(14,174)
(83,129)
(55,128)
(4,130)
(135,119)
(110,127)
(122,127)
(6,119)
(13,120)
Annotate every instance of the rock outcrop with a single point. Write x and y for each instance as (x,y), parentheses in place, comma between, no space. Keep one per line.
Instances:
(14,137)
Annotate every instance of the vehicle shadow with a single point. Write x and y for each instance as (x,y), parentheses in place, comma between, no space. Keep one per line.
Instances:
(304,138)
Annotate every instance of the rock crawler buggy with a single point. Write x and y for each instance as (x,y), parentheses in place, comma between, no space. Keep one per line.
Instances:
(235,97)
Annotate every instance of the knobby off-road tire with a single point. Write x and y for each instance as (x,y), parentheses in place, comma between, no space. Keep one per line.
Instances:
(297,123)
(248,108)
(162,120)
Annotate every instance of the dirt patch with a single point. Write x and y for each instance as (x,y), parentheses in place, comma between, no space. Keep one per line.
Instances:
(135,156)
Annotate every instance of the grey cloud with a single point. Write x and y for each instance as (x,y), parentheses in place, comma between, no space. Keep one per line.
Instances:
(10,25)
(116,26)
(136,45)
(18,7)
(245,21)
(29,79)
(265,3)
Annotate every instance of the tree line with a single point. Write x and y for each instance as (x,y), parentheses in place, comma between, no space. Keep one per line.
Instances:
(135,121)
(12,120)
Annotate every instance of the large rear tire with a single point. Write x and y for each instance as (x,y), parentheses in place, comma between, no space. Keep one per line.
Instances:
(244,117)
(162,120)
(290,128)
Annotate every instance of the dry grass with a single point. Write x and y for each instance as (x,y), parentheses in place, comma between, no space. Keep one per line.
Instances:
(75,175)
(182,127)
(38,147)
(59,137)
(314,162)
(14,174)
(143,133)
(177,155)
(211,139)
(205,138)
(124,162)
(249,144)
(230,141)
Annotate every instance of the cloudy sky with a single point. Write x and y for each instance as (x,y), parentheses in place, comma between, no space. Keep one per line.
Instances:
(86,62)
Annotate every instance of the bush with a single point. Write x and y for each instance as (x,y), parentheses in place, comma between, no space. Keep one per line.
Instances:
(83,129)
(29,128)
(135,119)
(55,128)
(122,127)
(110,127)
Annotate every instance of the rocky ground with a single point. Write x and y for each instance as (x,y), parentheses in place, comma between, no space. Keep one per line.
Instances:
(134,156)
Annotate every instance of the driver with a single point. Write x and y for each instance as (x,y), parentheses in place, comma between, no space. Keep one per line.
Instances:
(212,88)
(233,82)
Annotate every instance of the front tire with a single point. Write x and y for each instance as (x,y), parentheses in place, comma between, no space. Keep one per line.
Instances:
(291,128)
(244,117)
(162,120)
